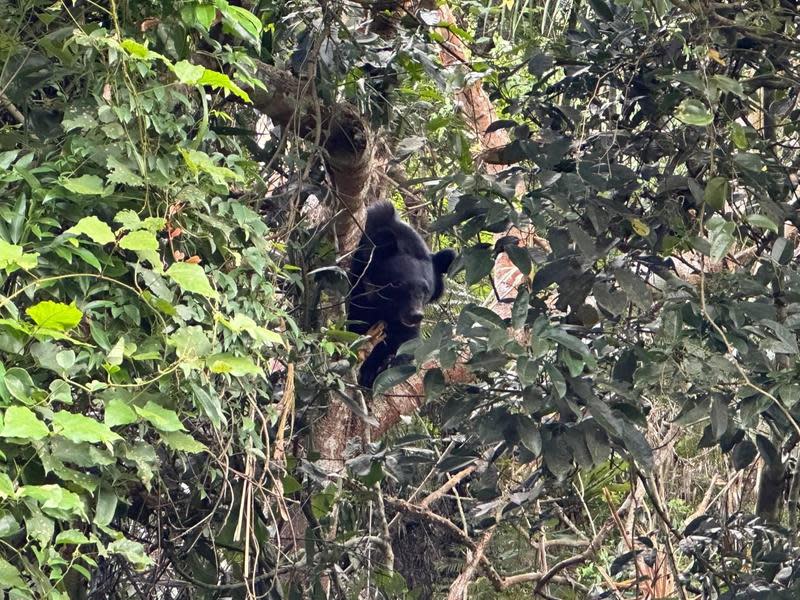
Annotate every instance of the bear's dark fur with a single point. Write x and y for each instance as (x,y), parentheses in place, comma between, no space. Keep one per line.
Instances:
(393,276)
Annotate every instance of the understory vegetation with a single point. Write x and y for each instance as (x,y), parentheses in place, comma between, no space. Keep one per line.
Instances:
(605,403)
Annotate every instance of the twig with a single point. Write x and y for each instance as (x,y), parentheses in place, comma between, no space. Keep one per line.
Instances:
(594,546)
(6,103)
(459,587)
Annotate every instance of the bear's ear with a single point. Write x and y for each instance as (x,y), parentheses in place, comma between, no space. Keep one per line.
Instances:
(443,259)
(441,263)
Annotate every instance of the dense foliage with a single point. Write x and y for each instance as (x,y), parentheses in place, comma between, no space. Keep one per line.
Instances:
(171,327)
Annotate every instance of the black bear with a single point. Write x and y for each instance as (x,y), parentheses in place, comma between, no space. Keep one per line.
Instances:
(393,276)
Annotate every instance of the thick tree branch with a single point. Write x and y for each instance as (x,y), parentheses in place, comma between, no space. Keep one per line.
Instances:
(342,134)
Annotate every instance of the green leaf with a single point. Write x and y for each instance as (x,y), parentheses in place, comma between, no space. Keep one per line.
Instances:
(478,262)
(71,537)
(55,315)
(12,256)
(132,551)
(744,453)
(738,136)
(19,384)
(22,422)
(118,413)
(122,173)
(210,405)
(139,241)
(763,222)
(242,21)
(727,84)
(9,254)
(188,73)
(7,158)
(190,342)
(182,442)
(529,435)
(521,258)
(722,237)
(242,323)
(322,503)
(717,192)
(128,219)
(216,80)
(135,49)
(200,162)
(389,378)
(290,485)
(87,257)
(10,577)
(85,185)
(238,366)
(95,229)
(201,15)
(635,288)
(8,525)
(106,506)
(117,353)
(78,428)
(40,528)
(719,417)
(159,417)
(433,383)
(694,112)
(602,10)
(191,278)
(6,487)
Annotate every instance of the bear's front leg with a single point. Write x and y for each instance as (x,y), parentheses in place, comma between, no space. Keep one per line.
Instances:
(376,362)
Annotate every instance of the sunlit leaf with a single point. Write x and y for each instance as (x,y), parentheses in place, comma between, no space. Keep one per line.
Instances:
(132,551)
(78,428)
(191,278)
(182,442)
(86,185)
(94,229)
(55,315)
(118,413)
(139,241)
(159,417)
(22,422)
(694,112)
(238,366)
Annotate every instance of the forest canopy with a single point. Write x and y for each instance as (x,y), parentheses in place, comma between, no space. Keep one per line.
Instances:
(604,403)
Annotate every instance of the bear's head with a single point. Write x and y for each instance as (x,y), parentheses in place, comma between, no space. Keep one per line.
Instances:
(395,273)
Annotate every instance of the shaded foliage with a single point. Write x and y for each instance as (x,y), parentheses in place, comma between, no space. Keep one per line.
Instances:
(169,336)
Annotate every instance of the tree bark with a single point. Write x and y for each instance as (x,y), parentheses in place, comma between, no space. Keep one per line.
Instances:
(339,130)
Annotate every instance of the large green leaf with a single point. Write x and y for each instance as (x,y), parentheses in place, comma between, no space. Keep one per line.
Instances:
(94,229)
(191,278)
(79,428)
(182,442)
(12,256)
(159,417)
(55,315)
(87,185)
(694,112)
(238,366)
(119,413)
(10,577)
(19,384)
(139,241)
(22,422)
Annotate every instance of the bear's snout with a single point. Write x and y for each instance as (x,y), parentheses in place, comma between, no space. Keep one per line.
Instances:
(412,319)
